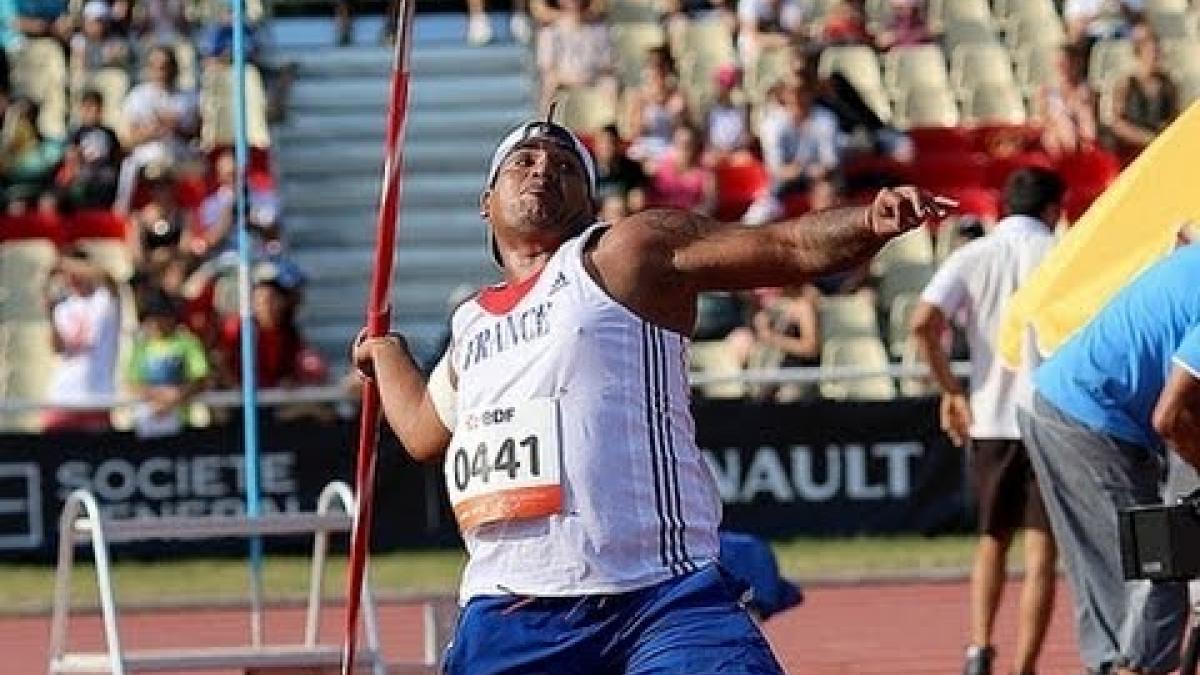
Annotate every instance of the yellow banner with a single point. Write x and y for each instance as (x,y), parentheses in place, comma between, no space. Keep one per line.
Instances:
(1134,223)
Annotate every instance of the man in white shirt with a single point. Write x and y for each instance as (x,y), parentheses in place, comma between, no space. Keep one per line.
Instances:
(972,288)
(86,331)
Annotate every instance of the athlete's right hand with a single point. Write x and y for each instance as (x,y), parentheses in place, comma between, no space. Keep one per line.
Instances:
(955,413)
(364,350)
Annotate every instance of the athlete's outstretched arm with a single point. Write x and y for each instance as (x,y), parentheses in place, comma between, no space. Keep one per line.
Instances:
(408,404)
(708,255)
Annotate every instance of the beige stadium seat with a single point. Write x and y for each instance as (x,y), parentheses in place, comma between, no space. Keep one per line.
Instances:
(1181,56)
(1007,10)
(1110,59)
(857,352)
(942,13)
(586,108)
(703,47)
(761,75)
(968,33)
(24,269)
(915,66)
(879,15)
(927,107)
(110,255)
(1165,5)
(632,11)
(899,316)
(1036,65)
(843,316)
(860,65)
(1171,25)
(911,248)
(981,64)
(113,84)
(994,104)
(29,360)
(901,279)
(1034,29)
(631,41)
(39,71)
(714,358)
(1189,87)
(216,108)
(915,386)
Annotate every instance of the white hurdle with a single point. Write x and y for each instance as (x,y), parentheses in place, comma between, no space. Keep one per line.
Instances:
(82,522)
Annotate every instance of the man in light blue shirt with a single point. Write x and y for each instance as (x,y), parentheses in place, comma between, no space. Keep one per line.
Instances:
(1107,406)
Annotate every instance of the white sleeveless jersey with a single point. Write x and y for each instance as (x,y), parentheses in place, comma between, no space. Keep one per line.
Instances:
(639,504)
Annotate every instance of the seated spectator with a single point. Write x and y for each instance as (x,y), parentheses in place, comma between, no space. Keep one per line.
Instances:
(655,107)
(785,333)
(727,122)
(1146,101)
(167,367)
(618,177)
(27,159)
(216,40)
(765,25)
(217,220)
(284,359)
(157,234)
(88,176)
(159,22)
(85,318)
(161,118)
(1066,106)
(575,51)
(846,23)
(799,141)
(906,26)
(94,47)
(42,19)
(679,179)
(1091,20)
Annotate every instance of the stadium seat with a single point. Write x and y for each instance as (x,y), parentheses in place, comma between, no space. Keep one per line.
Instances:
(31,226)
(968,33)
(586,108)
(703,47)
(857,352)
(994,104)
(1171,25)
(1087,174)
(847,316)
(1037,64)
(28,361)
(901,279)
(1109,60)
(941,14)
(860,65)
(1181,57)
(1034,29)
(216,108)
(926,107)
(738,185)
(1189,87)
(763,73)
(914,386)
(631,41)
(39,71)
(632,11)
(972,66)
(929,140)
(113,84)
(25,266)
(879,15)
(1006,11)
(714,358)
(915,67)
(1165,5)
(911,248)
(899,314)
(944,171)
(95,224)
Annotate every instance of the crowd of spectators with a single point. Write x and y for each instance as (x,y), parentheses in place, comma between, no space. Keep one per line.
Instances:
(117,112)
(760,109)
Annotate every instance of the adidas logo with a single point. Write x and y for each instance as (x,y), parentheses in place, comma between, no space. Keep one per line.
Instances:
(560,282)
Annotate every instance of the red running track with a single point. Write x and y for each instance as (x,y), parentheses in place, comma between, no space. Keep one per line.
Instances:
(859,629)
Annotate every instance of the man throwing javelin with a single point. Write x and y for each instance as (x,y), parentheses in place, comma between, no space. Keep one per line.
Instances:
(561,413)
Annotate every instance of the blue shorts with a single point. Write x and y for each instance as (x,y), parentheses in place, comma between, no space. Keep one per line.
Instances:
(692,624)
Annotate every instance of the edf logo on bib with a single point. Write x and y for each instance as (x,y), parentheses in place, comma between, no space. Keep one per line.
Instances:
(490,417)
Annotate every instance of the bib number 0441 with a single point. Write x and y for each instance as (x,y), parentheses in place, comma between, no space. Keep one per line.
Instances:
(479,464)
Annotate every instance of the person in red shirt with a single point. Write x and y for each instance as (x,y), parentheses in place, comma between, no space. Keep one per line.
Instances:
(284,358)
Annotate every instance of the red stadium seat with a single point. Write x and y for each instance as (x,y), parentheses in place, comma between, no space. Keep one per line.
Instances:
(976,201)
(95,224)
(999,168)
(1002,140)
(936,140)
(31,226)
(738,185)
(1087,174)
(942,172)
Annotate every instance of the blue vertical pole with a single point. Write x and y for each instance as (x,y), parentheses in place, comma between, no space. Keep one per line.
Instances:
(248,338)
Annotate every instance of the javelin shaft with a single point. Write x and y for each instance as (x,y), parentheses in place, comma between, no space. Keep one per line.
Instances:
(378,322)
